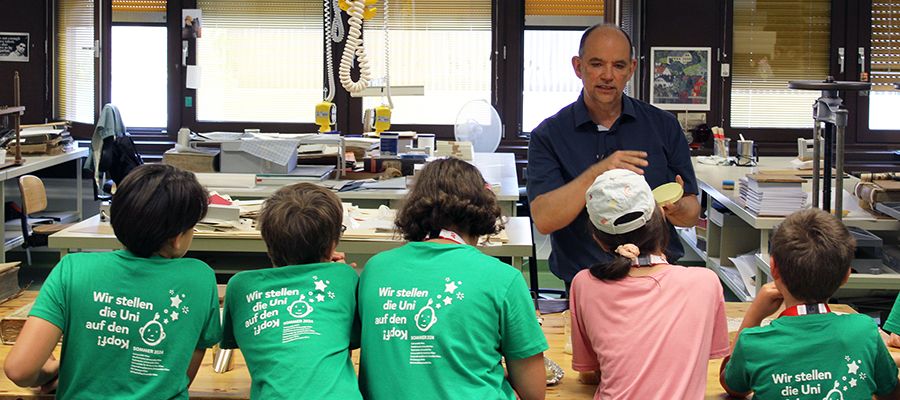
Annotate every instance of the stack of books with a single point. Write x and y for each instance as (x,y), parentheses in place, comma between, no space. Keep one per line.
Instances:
(42,140)
(772,195)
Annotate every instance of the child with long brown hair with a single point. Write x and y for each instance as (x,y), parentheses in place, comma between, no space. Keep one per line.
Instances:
(440,313)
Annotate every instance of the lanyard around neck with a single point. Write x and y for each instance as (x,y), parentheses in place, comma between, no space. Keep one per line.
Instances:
(648,261)
(451,236)
(805,309)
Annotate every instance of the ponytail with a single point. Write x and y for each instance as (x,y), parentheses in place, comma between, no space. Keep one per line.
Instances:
(652,237)
(615,269)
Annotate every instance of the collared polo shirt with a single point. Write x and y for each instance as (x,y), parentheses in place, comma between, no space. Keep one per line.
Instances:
(568,143)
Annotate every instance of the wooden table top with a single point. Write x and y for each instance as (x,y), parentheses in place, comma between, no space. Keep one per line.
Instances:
(235,384)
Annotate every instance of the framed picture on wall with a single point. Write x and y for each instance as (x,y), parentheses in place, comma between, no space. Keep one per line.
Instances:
(14,46)
(680,78)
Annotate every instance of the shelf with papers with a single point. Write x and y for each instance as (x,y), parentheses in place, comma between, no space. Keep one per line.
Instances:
(730,277)
(692,244)
(753,232)
(887,280)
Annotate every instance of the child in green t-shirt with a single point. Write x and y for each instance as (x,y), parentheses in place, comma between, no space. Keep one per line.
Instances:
(809,352)
(135,323)
(437,314)
(295,324)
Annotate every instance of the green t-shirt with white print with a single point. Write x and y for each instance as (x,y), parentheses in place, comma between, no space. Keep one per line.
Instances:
(437,319)
(295,326)
(812,357)
(130,324)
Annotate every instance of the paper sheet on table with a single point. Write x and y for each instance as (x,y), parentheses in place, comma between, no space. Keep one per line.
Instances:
(274,150)
(746,267)
(192,80)
(393,183)
(734,323)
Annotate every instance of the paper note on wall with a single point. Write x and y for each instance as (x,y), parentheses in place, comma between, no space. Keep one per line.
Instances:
(192,80)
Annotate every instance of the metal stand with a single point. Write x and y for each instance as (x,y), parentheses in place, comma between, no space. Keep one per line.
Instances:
(827,111)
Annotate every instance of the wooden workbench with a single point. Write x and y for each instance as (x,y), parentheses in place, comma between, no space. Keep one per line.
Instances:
(235,384)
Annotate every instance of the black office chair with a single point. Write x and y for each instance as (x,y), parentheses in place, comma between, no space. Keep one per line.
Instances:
(112,155)
(523,208)
(34,200)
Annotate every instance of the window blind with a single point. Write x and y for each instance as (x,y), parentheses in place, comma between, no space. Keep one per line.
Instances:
(433,45)
(574,13)
(260,60)
(885,63)
(776,41)
(434,15)
(564,7)
(75,60)
(139,5)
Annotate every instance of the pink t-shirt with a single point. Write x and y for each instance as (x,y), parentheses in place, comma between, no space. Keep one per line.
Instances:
(651,337)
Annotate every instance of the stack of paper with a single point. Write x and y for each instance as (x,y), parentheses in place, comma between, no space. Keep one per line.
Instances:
(772,195)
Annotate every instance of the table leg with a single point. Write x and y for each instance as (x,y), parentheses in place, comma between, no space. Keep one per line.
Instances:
(761,273)
(79,190)
(3,218)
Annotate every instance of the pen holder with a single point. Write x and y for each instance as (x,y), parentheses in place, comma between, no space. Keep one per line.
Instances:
(720,147)
(747,155)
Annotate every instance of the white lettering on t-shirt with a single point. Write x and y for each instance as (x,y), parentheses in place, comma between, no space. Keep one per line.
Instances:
(405,305)
(288,309)
(124,318)
(818,382)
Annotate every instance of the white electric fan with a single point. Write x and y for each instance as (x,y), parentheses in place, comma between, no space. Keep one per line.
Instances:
(478,123)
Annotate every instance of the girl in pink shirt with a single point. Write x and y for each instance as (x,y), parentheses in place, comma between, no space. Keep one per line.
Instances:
(641,327)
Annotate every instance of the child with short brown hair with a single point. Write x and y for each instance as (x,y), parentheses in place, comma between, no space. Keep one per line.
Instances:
(808,352)
(296,323)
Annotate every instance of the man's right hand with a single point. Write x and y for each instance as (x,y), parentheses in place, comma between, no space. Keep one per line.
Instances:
(624,159)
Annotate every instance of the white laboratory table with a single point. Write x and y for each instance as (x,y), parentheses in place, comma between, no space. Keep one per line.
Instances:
(95,234)
(709,179)
(496,167)
(35,163)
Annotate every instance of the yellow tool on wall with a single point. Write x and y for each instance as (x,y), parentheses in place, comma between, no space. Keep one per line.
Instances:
(326,111)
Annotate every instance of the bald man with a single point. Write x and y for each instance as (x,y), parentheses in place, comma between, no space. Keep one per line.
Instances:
(604,129)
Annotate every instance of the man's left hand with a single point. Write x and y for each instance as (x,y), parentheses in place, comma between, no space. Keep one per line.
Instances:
(683,212)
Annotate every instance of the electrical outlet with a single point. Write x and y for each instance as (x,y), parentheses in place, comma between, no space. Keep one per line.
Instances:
(726,70)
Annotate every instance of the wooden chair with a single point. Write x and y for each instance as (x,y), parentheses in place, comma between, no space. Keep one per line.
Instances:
(34,200)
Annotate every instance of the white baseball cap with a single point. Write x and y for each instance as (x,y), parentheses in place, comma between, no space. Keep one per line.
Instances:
(615,193)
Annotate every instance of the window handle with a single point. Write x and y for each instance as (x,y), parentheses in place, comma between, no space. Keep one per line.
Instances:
(863,75)
(841,59)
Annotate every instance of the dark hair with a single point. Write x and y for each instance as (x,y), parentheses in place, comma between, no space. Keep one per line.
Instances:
(604,25)
(449,194)
(301,224)
(812,251)
(153,204)
(650,238)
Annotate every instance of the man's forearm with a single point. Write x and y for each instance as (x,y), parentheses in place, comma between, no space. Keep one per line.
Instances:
(557,208)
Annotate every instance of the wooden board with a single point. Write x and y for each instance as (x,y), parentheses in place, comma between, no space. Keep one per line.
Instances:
(235,384)
(12,323)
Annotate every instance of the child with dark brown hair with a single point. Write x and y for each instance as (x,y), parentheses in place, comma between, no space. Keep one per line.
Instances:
(296,323)
(441,314)
(808,352)
(136,322)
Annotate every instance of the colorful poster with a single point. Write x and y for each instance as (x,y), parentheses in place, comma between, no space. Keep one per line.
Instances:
(680,78)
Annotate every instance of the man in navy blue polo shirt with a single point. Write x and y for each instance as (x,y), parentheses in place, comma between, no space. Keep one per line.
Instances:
(603,130)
